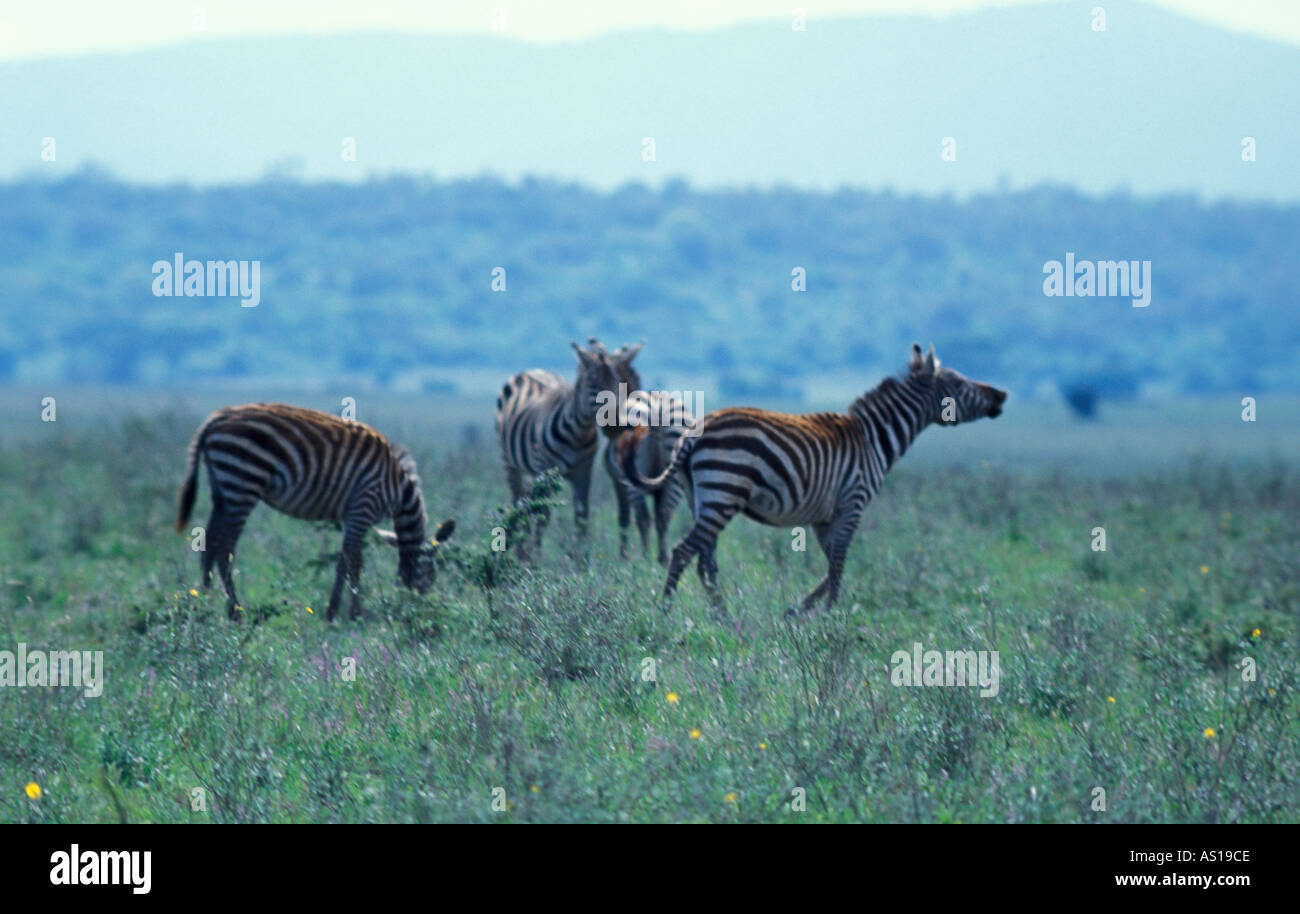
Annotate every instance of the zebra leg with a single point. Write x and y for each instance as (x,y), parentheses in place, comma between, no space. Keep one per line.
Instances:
(665,501)
(642,519)
(515,479)
(823,533)
(580,480)
(683,552)
(206,556)
(539,527)
(702,539)
(224,529)
(707,568)
(348,570)
(356,558)
(624,499)
(518,490)
(835,543)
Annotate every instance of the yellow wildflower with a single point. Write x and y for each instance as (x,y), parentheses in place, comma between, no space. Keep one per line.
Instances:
(34,790)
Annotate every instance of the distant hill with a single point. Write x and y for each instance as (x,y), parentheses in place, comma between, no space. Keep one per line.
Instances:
(1155,103)
(390,284)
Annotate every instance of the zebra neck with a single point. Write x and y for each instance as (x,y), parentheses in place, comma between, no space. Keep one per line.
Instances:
(409,525)
(574,414)
(893,414)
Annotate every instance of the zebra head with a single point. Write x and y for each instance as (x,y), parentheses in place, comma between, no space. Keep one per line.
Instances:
(954,398)
(620,360)
(597,379)
(415,556)
(415,567)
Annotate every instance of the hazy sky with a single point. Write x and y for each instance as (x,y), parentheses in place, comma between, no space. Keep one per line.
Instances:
(67,27)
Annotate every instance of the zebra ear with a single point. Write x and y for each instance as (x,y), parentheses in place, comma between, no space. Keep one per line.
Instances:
(931,362)
(443,533)
(917,364)
(583,355)
(630,353)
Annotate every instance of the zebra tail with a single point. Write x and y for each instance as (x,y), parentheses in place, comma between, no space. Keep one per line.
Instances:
(189,488)
(631,442)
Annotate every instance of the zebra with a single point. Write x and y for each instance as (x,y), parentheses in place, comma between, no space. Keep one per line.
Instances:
(314,466)
(612,425)
(820,469)
(663,418)
(544,423)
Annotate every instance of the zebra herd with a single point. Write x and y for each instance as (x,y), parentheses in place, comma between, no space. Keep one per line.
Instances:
(819,469)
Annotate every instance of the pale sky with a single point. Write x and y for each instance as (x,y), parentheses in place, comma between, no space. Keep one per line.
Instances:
(58,28)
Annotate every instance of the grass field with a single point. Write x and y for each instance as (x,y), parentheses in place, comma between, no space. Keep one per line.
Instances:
(564,693)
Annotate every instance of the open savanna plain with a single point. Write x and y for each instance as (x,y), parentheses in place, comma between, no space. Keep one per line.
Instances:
(563,691)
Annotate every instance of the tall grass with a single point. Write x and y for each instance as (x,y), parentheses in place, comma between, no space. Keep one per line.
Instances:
(515,692)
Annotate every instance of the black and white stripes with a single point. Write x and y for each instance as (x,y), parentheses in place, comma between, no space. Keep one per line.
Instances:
(820,469)
(309,465)
(664,418)
(544,423)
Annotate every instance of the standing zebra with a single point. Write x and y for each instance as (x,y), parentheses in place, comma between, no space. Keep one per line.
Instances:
(544,422)
(313,466)
(613,426)
(663,418)
(819,469)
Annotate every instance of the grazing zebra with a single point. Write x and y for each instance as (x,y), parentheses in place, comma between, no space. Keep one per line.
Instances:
(819,469)
(664,419)
(313,466)
(544,422)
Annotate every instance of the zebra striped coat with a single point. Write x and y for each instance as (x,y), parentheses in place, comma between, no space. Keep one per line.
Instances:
(820,469)
(654,420)
(314,466)
(545,423)
(613,422)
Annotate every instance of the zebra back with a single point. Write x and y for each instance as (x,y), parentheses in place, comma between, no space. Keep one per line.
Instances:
(307,464)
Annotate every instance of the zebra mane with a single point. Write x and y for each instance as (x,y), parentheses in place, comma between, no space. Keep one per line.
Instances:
(880,390)
(405,460)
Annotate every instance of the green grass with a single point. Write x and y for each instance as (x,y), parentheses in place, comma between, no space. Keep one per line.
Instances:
(535,684)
